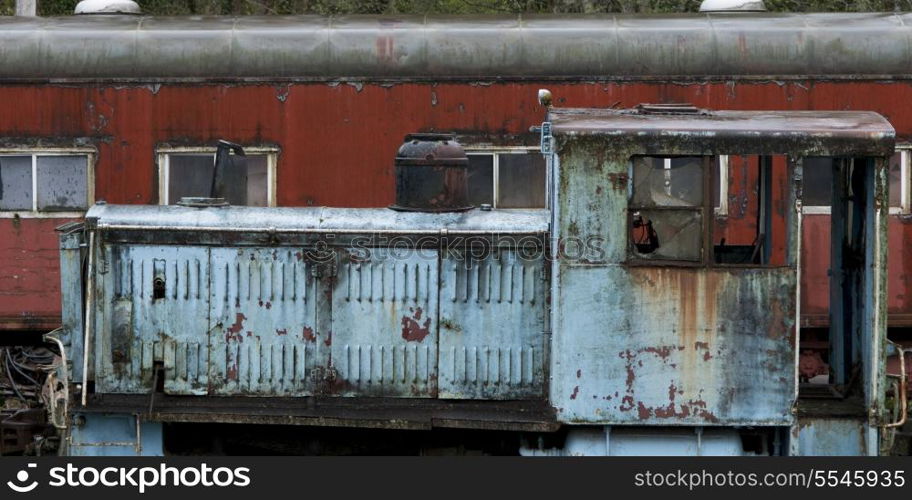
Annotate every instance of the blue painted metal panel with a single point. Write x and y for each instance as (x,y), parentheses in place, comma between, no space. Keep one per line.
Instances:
(675,343)
(72,314)
(119,435)
(153,310)
(830,437)
(671,346)
(644,441)
(492,326)
(264,338)
(384,322)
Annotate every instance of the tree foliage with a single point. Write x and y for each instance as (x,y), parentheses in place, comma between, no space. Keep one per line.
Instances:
(345,7)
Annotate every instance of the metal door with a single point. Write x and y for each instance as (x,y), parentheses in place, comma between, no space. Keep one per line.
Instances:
(384,323)
(264,337)
(155,323)
(492,326)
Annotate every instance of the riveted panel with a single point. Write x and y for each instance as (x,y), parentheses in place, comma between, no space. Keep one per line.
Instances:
(264,337)
(492,326)
(385,323)
(153,319)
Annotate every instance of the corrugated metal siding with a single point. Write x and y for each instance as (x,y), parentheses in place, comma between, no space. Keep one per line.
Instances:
(385,323)
(492,326)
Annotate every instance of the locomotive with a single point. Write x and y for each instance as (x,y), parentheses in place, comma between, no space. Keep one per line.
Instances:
(129,109)
(620,320)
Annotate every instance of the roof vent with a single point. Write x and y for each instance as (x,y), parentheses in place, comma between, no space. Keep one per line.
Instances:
(732,6)
(108,7)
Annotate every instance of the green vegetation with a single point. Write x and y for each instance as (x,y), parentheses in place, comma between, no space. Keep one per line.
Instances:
(343,7)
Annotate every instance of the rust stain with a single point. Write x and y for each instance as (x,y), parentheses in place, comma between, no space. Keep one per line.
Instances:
(307,334)
(618,181)
(283,331)
(329,339)
(412,330)
(234,331)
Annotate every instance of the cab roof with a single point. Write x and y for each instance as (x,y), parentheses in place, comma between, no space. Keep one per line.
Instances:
(685,129)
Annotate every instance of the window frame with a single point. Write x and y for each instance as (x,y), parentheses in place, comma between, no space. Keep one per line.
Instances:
(708,213)
(34,212)
(705,209)
(495,152)
(162,162)
(905,187)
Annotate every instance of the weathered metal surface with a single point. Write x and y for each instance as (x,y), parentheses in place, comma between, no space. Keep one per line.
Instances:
(264,337)
(620,441)
(653,344)
(493,323)
(829,437)
(114,434)
(431,174)
(72,316)
(508,47)
(385,322)
(355,313)
(152,318)
(318,220)
(799,133)
(380,413)
(664,346)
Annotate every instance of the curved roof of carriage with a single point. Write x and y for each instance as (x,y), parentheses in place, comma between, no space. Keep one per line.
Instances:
(607,47)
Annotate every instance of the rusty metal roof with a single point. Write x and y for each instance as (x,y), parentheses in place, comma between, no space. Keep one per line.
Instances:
(828,133)
(316,220)
(603,47)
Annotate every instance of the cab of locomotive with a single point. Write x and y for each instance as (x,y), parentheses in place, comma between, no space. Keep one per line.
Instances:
(675,298)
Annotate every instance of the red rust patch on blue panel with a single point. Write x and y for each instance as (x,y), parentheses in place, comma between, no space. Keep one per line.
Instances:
(575,392)
(283,331)
(234,331)
(308,334)
(412,330)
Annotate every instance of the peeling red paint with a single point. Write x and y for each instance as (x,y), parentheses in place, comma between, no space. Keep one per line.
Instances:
(412,330)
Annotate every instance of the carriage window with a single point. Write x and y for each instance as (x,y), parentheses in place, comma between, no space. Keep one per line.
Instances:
(507,179)
(666,208)
(184,173)
(44,182)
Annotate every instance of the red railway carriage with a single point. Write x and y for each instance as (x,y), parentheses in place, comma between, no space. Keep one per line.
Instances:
(128,109)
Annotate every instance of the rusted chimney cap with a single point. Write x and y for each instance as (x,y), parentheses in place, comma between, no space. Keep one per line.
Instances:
(431,150)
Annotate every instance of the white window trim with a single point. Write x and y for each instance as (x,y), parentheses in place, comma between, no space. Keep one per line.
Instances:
(162,156)
(495,152)
(905,192)
(34,213)
(722,209)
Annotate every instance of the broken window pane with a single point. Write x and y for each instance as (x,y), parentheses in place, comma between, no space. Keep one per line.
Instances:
(667,234)
(481,179)
(667,182)
(817,185)
(62,183)
(896,180)
(191,175)
(521,181)
(16,175)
